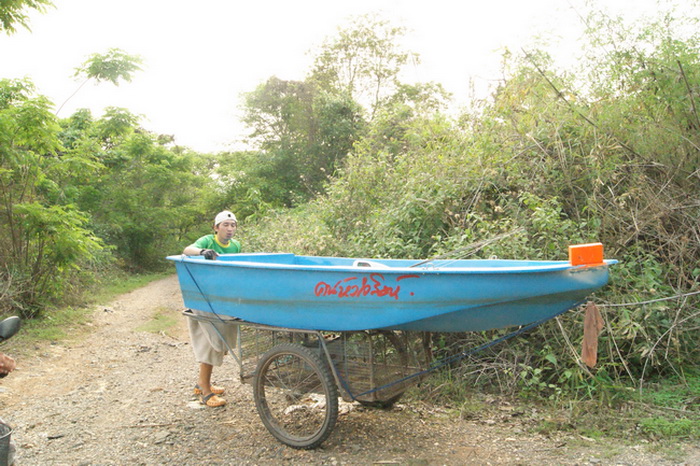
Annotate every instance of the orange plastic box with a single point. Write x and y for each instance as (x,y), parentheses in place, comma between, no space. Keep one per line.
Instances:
(586,254)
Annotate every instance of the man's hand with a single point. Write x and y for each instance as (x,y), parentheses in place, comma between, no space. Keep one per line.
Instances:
(209,254)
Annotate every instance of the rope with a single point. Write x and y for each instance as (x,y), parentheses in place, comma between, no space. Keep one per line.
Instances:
(230,350)
(651,300)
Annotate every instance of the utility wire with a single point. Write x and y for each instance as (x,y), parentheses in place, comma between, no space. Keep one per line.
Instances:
(651,300)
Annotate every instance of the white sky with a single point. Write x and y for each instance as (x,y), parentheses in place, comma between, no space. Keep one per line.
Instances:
(200,56)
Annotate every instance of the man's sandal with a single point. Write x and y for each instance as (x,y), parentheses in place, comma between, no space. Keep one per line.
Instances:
(212,400)
(213,388)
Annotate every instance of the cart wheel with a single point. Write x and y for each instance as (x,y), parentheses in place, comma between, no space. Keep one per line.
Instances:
(296,396)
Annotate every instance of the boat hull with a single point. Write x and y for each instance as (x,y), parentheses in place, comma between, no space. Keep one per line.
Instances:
(338,294)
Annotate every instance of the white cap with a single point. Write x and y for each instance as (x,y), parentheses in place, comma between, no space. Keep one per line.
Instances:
(225,215)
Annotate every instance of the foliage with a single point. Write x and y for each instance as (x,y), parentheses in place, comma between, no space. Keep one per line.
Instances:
(387,205)
(353,162)
(115,282)
(13,13)
(306,129)
(112,66)
(143,196)
(363,61)
(675,428)
(43,241)
(64,323)
(161,322)
(608,153)
(77,194)
(302,232)
(303,134)
(628,162)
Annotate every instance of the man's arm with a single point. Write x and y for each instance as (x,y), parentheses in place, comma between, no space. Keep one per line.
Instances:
(192,250)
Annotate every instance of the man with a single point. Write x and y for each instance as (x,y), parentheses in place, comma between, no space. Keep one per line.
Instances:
(221,242)
(206,337)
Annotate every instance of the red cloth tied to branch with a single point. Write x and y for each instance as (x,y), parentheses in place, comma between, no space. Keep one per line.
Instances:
(592,325)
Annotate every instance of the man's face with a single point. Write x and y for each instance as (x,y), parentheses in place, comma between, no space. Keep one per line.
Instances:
(225,230)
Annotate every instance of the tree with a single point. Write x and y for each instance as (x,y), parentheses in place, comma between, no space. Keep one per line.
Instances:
(112,66)
(306,129)
(13,13)
(410,106)
(363,61)
(44,239)
(77,193)
(303,132)
(142,196)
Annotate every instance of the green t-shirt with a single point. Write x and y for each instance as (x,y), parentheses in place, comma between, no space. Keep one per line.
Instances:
(210,242)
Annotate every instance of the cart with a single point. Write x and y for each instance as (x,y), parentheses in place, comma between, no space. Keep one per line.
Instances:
(298,375)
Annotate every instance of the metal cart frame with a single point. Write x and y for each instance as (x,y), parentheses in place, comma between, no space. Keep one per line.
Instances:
(298,375)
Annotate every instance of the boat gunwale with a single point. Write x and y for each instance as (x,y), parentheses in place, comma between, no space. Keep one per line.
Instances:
(537,266)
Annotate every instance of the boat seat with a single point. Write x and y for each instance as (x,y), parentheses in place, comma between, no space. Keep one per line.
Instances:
(369,264)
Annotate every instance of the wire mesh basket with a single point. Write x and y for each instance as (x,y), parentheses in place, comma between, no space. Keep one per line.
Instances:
(379,366)
(371,366)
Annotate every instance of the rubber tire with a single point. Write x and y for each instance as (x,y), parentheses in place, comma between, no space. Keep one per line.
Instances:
(285,378)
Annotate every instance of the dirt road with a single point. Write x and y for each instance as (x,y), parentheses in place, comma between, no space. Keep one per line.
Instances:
(123,395)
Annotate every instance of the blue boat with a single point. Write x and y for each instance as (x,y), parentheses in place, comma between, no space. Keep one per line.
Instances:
(345,294)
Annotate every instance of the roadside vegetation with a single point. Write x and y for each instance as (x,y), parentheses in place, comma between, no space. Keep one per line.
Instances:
(352,161)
